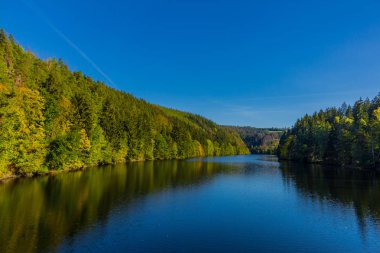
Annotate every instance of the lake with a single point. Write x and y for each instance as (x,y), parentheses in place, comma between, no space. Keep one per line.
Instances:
(247,203)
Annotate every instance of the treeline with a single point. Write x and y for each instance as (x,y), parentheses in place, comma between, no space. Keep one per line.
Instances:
(259,140)
(52,118)
(348,136)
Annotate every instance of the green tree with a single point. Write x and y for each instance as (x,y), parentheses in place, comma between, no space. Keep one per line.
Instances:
(22,135)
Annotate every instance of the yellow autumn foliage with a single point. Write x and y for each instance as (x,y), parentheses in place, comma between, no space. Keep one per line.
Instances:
(376,113)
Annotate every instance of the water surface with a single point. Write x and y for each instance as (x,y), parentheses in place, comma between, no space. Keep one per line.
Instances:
(225,204)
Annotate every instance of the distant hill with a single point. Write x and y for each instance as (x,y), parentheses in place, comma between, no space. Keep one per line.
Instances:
(259,140)
(54,119)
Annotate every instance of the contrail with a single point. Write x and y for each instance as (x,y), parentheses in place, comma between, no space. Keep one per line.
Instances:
(40,14)
(81,53)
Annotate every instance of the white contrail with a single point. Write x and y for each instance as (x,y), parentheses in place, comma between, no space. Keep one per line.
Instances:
(40,14)
(81,53)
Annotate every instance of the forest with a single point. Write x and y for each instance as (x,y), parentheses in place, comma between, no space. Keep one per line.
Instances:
(259,140)
(348,136)
(52,118)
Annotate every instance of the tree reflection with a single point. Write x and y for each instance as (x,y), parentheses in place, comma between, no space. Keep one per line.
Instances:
(354,188)
(36,215)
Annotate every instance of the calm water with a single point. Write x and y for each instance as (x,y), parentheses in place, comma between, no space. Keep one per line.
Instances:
(228,204)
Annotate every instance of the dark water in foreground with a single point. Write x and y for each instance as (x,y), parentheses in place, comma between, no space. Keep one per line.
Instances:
(227,204)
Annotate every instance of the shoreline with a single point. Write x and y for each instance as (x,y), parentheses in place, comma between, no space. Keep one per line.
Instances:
(321,163)
(56,172)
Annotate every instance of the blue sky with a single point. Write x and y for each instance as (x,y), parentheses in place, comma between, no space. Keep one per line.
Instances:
(258,63)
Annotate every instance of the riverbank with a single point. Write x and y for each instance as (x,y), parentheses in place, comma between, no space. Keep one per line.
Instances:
(55,172)
(324,163)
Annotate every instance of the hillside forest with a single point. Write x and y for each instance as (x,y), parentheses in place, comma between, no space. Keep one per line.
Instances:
(259,140)
(348,136)
(52,118)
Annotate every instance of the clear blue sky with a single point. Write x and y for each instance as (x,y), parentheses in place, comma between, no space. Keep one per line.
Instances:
(258,63)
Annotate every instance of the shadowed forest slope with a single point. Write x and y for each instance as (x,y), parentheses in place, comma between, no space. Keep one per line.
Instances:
(259,140)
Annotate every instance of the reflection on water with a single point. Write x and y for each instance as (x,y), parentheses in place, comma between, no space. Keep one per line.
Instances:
(350,188)
(37,214)
(42,214)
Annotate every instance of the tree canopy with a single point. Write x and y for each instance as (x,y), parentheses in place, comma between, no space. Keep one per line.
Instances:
(53,119)
(348,136)
(259,140)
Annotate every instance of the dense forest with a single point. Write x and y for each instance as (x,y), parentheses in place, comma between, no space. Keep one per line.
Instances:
(259,140)
(348,136)
(53,119)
